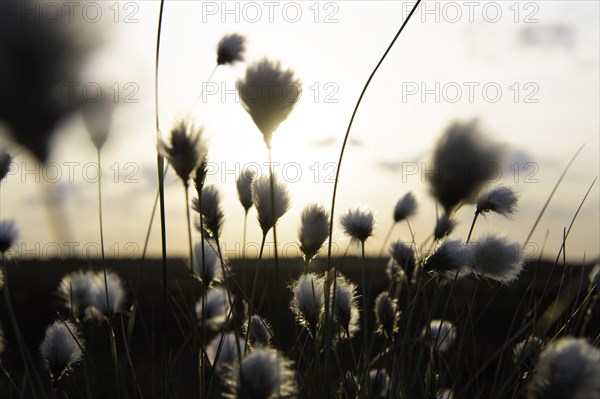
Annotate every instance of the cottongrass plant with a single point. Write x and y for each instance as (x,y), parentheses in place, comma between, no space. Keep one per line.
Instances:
(263,374)
(501,200)
(213,308)
(76,290)
(61,350)
(231,49)
(450,258)
(386,314)
(8,235)
(569,369)
(258,331)
(244,189)
(225,350)
(441,335)
(404,209)
(184,152)
(402,263)
(496,258)
(313,231)
(208,268)
(211,210)
(344,308)
(307,301)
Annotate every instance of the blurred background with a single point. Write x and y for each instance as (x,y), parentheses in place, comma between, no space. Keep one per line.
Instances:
(529,71)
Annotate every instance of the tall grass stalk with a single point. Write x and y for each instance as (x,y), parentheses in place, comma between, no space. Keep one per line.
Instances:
(160,163)
(278,296)
(337,175)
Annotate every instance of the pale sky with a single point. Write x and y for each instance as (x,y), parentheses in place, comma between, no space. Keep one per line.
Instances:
(528,70)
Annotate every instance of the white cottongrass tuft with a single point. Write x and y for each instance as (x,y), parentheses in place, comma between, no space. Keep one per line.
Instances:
(501,200)
(263,374)
(231,49)
(313,231)
(394,271)
(5,161)
(527,351)
(443,335)
(450,258)
(443,227)
(403,256)
(244,188)
(258,331)
(358,224)
(496,258)
(99,308)
(213,270)
(405,207)
(8,235)
(77,290)
(184,150)
(261,193)
(461,158)
(567,369)
(345,306)
(225,349)
(307,300)
(60,350)
(386,314)
(379,381)
(209,206)
(268,94)
(217,307)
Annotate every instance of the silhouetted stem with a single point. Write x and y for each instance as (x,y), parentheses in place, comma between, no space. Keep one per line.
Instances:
(339,165)
(472,227)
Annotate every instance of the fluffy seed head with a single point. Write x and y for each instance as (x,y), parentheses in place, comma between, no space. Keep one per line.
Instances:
(5,160)
(345,306)
(99,308)
(358,224)
(268,94)
(200,174)
(449,258)
(76,289)
(394,271)
(443,335)
(405,207)
(461,158)
(231,48)
(443,227)
(184,150)
(307,301)
(496,258)
(98,119)
(403,256)
(263,374)
(244,188)
(527,351)
(261,194)
(217,307)
(59,350)
(213,270)
(501,200)
(567,369)
(8,235)
(209,205)
(386,314)
(225,349)
(258,331)
(314,230)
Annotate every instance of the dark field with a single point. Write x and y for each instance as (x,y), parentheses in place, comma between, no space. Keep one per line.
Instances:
(497,317)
